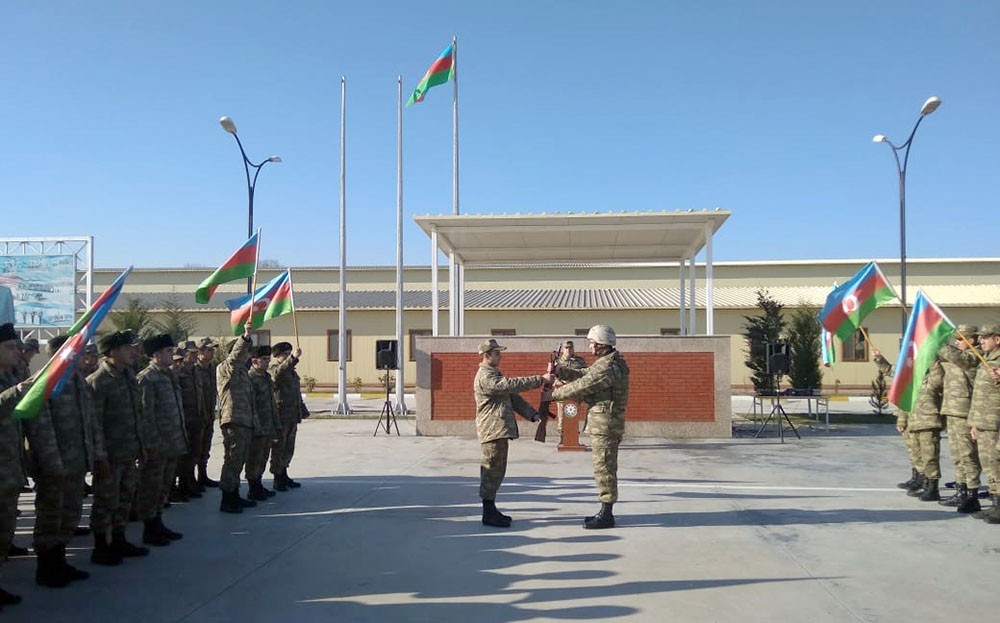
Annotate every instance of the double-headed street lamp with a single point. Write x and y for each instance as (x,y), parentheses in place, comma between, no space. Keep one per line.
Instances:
(929,106)
(228,125)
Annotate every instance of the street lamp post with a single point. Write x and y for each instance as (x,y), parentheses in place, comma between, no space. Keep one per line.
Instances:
(929,106)
(230,127)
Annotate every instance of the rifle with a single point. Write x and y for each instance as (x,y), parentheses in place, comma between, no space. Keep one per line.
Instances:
(544,410)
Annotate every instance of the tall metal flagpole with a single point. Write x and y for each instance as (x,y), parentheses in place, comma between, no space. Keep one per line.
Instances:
(342,406)
(457,278)
(400,399)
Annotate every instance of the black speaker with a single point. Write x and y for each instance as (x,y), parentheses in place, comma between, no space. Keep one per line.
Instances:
(778,361)
(386,354)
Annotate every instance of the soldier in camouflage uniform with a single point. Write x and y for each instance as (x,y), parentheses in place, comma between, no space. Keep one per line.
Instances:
(65,444)
(959,375)
(194,422)
(909,441)
(497,400)
(117,409)
(163,417)
(236,417)
(291,411)
(568,359)
(925,425)
(208,392)
(266,428)
(604,388)
(29,348)
(984,416)
(11,445)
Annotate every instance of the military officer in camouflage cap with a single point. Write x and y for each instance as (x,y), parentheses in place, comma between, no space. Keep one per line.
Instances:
(193,419)
(984,415)
(29,348)
(266,425)
(236,410)
(568,359)
(959,374)
(925,425)
(604,388)
(291,411)
(208,398)
(497,400)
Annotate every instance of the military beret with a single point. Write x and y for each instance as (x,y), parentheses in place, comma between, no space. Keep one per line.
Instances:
(157,342)
(111,341)
(489,345)
(281,348)
(968,330)
(989,329)
(7,332)
(262,351)
(30,344)
(56,342)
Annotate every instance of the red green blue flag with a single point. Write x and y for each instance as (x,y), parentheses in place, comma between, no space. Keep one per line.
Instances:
(826,348)
(441,71)
(241,265)
(52,377)
(848,304)
(271,300)
(926,331)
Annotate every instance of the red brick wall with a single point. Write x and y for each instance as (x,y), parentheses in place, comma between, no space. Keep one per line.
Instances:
(663,387)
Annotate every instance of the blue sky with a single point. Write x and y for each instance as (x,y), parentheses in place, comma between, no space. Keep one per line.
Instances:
(109,122)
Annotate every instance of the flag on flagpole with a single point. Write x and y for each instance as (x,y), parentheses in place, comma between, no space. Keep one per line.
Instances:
(847,305)
(441,71)
(926,331)
(241,265)
(52,377)
(826,348)
(271,300)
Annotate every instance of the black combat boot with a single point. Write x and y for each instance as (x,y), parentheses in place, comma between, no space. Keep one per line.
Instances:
(152,534)
(906,484)
(961,493)
(203,478)
(8,599)
(493,517)
(49,571)
(178,494)
(603,519)
(245,503)
(170,534)
(125,549)
(71,572)
(931,493)
(993,511)
(291,484)
(970,504)
(15,550)
(230,503)
(917,488)
(279,483)
(103,553)
(257,491)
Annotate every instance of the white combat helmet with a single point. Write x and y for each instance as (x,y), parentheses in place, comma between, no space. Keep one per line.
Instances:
(602,334)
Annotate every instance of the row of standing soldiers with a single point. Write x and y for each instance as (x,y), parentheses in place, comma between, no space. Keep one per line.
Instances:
(961,393)
(145,436)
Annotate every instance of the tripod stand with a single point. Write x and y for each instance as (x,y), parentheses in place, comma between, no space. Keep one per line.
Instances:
(387,412)
(778,413)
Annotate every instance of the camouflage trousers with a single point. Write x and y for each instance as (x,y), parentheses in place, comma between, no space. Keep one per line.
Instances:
(928,444)
(492,468)
(604,450)
(58,505)
(156,475)
(964,453)
(205,446)
(989,458)
(236,443)
(283,450)
(260,448)
(912,450)
(8,516)
(113,497)
(196,437)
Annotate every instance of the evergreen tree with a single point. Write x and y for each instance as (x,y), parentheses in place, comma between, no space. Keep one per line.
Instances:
(759,331)
(804,346)
(135,317)
(175,321)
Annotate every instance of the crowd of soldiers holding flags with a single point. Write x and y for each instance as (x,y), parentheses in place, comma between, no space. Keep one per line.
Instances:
(139,417)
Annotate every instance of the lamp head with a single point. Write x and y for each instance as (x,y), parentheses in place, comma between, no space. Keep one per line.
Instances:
(930,106)
(274,159)
(227,125)
(879,138)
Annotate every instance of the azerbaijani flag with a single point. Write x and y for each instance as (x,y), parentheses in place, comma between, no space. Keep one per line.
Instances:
(826,348)
(848,305)
(50,379)
(241,265)
(271,300)
(926,331)
(441,71)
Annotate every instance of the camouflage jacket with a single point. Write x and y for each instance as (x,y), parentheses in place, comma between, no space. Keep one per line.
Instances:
(604,388)
(233,381)
(204,374)
(188,383)
(65,438)
(266,423)
(984,413)
(163,410)
(902,417)
(288,390)
(959,374)
(496,401)
(927,412)
(573,363)
(11,441)
(117,410)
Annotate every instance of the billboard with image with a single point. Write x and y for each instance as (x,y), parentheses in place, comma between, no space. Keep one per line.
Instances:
(42,288)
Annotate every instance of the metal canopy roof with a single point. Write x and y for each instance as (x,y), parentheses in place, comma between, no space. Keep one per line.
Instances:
(565,237)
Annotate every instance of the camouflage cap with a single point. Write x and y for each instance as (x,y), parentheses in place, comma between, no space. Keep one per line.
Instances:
(989,329)
(188,345)
(56,342)
(207,342)
(490,345)
(179,353)
(30,344)
(968,330)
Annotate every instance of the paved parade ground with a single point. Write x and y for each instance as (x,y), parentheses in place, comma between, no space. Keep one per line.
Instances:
(386,529)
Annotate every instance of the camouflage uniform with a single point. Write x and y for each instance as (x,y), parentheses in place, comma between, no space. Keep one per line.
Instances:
(194,423)
(959,375)
(236,412)
(572,363)
(117,410)
(291,411)
(497,400)
(909,440)
(11,459)
(266,425)
(926,421)
(984,415)
(205,375)
(604,388)
(163,415)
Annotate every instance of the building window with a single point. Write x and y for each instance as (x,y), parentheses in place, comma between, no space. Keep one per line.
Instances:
(856,348)
(413,342)
(496,332)
(581,332)
(669,331)
(260,337)
(333,345)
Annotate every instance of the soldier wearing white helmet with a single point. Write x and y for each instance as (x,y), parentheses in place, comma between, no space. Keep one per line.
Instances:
(604,388)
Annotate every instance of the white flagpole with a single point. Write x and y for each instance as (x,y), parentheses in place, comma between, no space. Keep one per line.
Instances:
(455,274)
(342,406)
(400,396)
